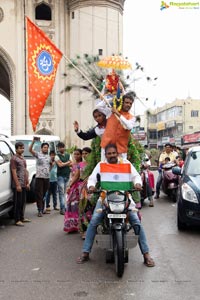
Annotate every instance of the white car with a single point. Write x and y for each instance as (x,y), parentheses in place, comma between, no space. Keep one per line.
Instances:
(6,194)
(52,140)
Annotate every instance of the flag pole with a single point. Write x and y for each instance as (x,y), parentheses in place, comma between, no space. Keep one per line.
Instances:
(141,102)
(92,84)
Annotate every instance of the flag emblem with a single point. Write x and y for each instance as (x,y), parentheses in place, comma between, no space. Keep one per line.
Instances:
(44,62)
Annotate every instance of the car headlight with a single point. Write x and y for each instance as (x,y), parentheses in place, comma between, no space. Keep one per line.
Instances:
(117,207)
(188,193)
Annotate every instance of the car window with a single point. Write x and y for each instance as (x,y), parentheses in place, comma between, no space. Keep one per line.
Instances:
(193,164)
(36,147)
(5,151)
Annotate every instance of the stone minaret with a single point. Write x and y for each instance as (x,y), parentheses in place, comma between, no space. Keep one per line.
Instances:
(76,27)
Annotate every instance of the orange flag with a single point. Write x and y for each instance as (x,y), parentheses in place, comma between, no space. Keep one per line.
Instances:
(43,61)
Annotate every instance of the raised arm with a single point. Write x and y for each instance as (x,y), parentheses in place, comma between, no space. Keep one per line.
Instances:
(88,135)
(31,147)
(76,126)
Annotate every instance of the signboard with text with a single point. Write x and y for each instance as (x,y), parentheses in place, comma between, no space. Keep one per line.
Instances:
(191,138)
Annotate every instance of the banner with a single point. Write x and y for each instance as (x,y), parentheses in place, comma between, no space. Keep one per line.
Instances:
(43,61)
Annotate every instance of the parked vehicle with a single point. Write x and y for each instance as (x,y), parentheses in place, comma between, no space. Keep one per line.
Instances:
(169,181)
(113,235)
(30,160)
(188,196)
(6,194)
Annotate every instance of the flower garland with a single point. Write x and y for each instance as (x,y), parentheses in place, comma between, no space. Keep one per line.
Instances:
(117,103)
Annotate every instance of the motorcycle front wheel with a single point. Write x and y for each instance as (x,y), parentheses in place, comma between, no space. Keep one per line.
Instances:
(119,252)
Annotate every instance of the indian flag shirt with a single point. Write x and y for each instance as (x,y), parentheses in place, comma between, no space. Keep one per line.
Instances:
(113,175)
(116,176)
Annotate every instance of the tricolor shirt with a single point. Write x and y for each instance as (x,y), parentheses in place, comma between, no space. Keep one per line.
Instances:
(118,176)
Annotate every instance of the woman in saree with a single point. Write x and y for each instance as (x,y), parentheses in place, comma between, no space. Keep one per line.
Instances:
(71,219)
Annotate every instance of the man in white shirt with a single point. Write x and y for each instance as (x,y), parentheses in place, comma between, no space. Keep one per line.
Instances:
(112,158)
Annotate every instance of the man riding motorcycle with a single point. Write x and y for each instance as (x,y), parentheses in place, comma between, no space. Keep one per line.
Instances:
(168,152)
(112,158)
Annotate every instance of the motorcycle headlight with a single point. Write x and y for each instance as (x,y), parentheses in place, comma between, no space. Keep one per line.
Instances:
(117,207)
(188,193)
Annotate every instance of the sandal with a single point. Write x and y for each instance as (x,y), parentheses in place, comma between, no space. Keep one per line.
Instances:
(149,262)
(82,259)
(83,236)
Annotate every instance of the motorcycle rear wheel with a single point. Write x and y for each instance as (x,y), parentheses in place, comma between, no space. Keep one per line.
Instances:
(173,195)
(119,252)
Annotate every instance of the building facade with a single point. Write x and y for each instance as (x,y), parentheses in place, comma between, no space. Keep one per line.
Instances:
(172,121)
(76,27)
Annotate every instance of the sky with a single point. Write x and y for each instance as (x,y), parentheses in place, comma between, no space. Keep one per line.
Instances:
(166,44)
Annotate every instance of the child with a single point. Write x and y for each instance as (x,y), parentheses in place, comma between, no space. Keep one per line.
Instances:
(179,161)
(148,183)
(53,186)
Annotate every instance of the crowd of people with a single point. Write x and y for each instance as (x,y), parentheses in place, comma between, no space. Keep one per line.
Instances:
(62,176)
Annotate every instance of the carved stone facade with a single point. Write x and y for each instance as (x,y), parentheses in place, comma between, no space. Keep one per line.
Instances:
(115,4)
(75,27)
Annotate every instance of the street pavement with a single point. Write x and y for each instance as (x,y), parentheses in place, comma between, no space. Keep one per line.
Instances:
(38,261)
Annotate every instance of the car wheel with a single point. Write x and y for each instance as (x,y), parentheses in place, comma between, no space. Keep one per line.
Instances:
(180,224)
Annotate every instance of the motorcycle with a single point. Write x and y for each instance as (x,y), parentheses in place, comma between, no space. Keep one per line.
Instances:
(114,233)
(169,181)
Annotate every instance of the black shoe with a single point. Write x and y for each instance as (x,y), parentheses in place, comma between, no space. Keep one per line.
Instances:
(39,214)
(156,196)
(62,211)
(55,208)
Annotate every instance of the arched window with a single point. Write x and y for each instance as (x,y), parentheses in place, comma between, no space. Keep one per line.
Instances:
(43,12)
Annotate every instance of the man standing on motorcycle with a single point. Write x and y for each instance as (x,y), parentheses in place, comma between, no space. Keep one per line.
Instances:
(112,158)
(168,152)
(119,125)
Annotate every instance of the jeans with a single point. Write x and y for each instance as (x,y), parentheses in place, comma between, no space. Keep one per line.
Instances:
(158,183)
(53,187)
(62,184)
(97,218)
